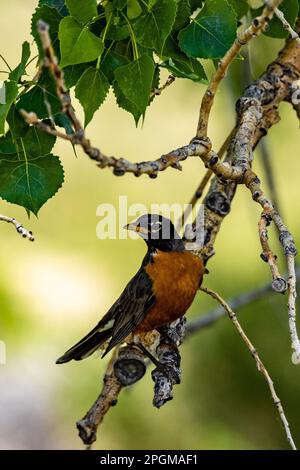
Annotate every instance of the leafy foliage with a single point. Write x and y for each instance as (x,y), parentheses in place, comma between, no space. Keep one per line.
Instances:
(82,11)
(91,90)
(123,44)
(30,174)
(134,82)
(152,29)
(211,32)
(77,43)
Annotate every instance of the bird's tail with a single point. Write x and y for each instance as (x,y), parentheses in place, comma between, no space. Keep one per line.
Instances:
(86,346)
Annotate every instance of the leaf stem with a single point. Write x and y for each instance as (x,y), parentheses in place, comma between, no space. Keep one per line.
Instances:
(103,39)
(133,39)
(6,63)
(146,5)
(96,18)
(31,60)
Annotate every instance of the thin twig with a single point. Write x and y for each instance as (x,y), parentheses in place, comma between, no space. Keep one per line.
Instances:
(292,310)
(287,25)
(120,165)
(261,367)
(257,26)
(19,227)
(279,284)
(256,112)
(246,298)
(158,91)
(294,98)
(6,63)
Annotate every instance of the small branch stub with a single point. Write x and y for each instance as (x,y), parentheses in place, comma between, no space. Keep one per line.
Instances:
(130,366)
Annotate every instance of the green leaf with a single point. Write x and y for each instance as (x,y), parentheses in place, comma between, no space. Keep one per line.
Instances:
(124,103)
(211,33)
(111,62)
(30,182)
(180,65)
(290,10)
(77,43)
(36,142)
(72,73)
(182,14)
(17,125)
(134,83)
(19,71)
(155,83)
(134,9)
(124,48)
(191,69)
(62,120)
(117,33)
(44,91)
(91,91)
(59,5)
(82,11)
(240,7)
(151,30)
(52,17)
(10,94)
(6,144)
(32,175)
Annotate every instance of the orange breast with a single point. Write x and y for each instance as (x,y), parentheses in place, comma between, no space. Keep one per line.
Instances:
(176,277)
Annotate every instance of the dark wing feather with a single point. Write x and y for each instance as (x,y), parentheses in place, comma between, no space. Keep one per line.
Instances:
(131,307)
(127,312)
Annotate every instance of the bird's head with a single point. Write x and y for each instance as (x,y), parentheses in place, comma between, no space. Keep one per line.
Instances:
(158,232)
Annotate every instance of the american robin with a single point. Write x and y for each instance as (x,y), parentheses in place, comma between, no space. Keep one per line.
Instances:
(161,291)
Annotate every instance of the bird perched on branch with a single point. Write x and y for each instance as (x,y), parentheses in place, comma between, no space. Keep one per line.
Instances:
(161,291)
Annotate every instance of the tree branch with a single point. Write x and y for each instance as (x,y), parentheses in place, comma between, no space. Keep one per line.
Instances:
(260,366)
(235,303)
(257,26)
(286,25)
(120,165)
(127,366)
(158,91)
(19,227)
(278,284)
(256,112)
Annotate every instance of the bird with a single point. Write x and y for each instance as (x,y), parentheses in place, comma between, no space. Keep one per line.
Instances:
(159,293)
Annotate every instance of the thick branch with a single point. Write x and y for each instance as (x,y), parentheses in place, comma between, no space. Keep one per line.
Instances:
(88,425)
(127,366)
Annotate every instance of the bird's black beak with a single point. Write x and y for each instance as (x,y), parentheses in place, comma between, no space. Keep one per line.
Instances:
(136,228)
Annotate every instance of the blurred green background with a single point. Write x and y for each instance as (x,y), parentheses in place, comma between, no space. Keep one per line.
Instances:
(54,290)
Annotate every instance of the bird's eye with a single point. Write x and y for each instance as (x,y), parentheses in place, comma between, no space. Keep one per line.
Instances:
(155,226)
